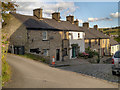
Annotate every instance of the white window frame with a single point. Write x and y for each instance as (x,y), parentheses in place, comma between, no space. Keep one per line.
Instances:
(43,35)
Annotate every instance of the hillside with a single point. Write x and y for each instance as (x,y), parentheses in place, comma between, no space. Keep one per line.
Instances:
(110,31)
(114,31)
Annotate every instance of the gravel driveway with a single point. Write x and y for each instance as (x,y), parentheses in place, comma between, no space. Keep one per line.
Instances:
(102,71)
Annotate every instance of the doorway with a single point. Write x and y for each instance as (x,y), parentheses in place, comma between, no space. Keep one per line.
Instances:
(19,50)
(73,51)
(57,54)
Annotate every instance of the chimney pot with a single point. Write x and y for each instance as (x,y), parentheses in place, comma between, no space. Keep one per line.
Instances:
(86,24)
(38,13)
(96,27)
(76,22)
(56,16)
(70,18)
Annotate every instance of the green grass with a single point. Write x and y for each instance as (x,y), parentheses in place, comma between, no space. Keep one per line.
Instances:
(117,39)
(0,82)
(111,31)
(35,57)
(6,72)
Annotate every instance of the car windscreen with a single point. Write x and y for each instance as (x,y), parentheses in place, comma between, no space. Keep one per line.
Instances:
(117,54)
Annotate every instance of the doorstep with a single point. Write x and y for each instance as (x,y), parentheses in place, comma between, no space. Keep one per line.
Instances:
(59,65)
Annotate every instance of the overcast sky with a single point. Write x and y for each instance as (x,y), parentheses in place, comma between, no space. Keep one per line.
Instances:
(105,14)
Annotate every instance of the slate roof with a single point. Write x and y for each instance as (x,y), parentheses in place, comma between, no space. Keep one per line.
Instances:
(32,22)
(94,34)
(88,34)
(98,33)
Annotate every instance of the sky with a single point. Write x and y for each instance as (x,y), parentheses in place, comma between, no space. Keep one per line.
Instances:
(104,14)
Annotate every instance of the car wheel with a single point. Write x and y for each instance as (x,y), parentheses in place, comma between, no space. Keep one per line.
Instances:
(113,72)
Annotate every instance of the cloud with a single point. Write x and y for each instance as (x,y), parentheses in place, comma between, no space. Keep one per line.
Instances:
(115,15)
(92,19)
(80,21)
(65,8)
(98,19)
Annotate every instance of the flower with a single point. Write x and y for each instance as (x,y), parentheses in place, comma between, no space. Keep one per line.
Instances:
(3,45)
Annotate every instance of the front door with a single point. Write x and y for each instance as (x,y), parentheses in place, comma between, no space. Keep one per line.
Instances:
(73,52)
(57,54)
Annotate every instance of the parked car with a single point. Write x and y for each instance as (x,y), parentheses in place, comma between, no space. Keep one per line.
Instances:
(116,63)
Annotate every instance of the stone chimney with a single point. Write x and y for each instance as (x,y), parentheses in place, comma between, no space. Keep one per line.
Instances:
(76,22)
(38,13)
(70,19)
(56,16)
(96,27)
(86,24)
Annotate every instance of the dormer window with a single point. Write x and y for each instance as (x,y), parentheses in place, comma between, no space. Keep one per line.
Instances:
(44,35)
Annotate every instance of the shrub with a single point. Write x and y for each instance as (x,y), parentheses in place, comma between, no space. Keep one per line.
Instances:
(35,57)
(6,71)
(90,54)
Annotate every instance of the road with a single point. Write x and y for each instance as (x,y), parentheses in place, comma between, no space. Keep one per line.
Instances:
(27,73)
(102,71)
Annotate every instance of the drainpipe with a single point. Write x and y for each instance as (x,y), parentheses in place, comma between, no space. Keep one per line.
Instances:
(62,47)
(62,50)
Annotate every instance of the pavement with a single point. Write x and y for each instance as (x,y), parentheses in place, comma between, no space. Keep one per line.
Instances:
(27,73)
(71,62)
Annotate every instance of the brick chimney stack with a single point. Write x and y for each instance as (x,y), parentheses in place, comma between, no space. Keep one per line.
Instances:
(76,22)
(96,27)
(86,24)
(56,16)
(70,19)
(38,13)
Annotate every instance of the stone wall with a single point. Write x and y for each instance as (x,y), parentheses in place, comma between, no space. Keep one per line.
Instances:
(17,33)
(53,42)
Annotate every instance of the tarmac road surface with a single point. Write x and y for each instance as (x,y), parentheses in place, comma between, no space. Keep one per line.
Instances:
(27,73)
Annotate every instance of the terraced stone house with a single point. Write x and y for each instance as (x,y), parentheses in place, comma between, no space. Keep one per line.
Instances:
(96,40)
(45,37)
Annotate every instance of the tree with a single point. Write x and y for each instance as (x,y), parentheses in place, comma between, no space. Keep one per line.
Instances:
(6,8)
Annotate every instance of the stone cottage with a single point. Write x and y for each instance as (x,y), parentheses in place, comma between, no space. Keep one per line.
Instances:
(96,40)
(45,37)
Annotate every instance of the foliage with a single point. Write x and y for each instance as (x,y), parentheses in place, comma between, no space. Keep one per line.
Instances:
(90,54)
(6,8)
(5,67)
(85,55)
(35,57)
(117,39)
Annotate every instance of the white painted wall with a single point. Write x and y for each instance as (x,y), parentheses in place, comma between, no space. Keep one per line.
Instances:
(114,48)
(73,39)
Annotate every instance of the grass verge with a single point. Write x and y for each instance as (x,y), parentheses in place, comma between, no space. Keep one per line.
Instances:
(35,57)
(6,72)
(0,82)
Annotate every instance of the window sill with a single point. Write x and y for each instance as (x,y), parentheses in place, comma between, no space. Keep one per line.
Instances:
(45,40)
